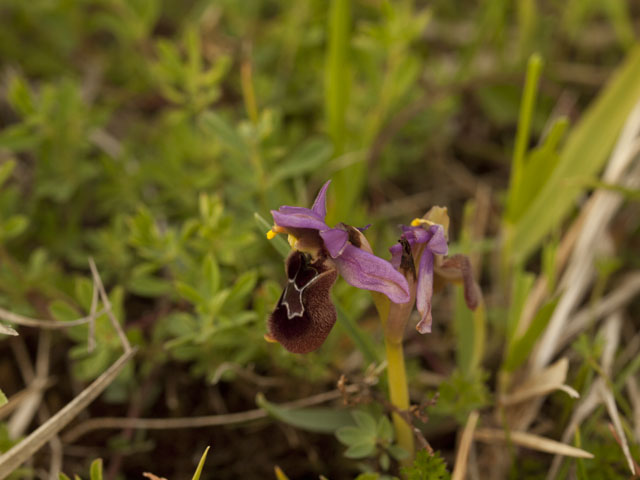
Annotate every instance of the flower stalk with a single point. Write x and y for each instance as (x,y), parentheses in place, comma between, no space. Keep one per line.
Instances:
(394,318)
(399,395)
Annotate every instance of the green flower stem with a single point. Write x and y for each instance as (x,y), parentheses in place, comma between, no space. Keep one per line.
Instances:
(396,372)
(399,393)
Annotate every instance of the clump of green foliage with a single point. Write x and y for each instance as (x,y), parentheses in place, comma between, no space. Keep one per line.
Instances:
(151,135)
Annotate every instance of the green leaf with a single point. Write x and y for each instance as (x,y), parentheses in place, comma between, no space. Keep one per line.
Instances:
(322,420)
(62,311)
(14,226)
(307,158)
(585,152)
(196,475)
(360,450)
(210,275)
(3,399)
(245,284)
(62,476)
(352,435)
(427,467)
(385,430)
(189,293)
(385,461)
(224,132)
(368,476)
(6,169)
(96,469)
(397,452)
(84,292)
(19,96)
(366,422)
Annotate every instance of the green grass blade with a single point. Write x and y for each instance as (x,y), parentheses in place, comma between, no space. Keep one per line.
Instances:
(583,155)
(361,340)
(337,71)
(196,475)
(279,243)
(534,68)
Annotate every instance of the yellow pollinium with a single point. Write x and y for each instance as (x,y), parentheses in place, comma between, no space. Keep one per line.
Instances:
(421,221)
(271,234)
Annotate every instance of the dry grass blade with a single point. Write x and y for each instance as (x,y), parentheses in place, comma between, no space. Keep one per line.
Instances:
(37,377)
(16,399)
(6,330)
(625,291)
(192,422)
(612,409)
(634,396)
(542,383)
(21,452)
(460,469)
(529,440)
(579,273)
(97,281)
(611,333)
(44,324)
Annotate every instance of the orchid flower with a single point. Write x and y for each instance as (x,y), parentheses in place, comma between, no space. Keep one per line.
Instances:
(304,314)
(425,242)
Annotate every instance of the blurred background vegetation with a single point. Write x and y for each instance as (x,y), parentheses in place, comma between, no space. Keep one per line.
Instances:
(147,134)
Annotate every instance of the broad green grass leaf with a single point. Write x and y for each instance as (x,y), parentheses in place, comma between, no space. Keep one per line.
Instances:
(537,169)
(522,284)
(321,420)
(520,348)
(3,398)
(584,154)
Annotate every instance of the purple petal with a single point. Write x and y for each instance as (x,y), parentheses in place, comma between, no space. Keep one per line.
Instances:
(335,240)
(424,291)
(297,217)
(364,270)
(396,255)
(320,203)
(438,242)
